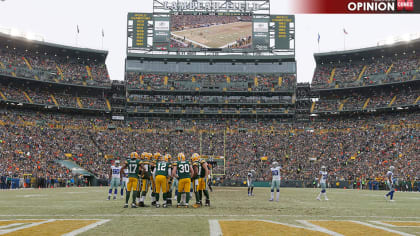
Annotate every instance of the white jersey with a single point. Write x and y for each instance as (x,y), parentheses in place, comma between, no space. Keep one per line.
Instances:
(324,177)
(125,176)
(275,172)
(116,171)
(389,174)
(250,175)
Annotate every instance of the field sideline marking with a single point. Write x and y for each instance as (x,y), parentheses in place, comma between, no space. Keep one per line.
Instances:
(395,226)
(209,215)
(383,228)
(25,226)
(215,229)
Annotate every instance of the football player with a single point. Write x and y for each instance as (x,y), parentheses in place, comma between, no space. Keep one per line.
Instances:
(250,182)
(322,181)
(390,183)
(146,176)
(156,157)
(203,175)
(124,183)
(133,165)
(168,159)
(115,179)
(161,174)
(275,182)
(194,180)
(183,170)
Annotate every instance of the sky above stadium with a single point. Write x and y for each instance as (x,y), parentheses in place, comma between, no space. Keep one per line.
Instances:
(57,22)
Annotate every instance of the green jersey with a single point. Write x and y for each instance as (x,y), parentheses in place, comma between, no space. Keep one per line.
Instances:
(162,168)
(196,163)
(133,167)
(201,170)
(183,168)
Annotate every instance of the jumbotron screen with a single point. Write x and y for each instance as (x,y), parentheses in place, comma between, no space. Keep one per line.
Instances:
(211,31)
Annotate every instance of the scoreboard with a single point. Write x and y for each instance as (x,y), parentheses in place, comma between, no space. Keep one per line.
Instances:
(139,24)
(229,26)
(282,33)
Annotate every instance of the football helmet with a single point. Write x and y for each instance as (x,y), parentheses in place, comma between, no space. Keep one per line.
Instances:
(149,156)
(195,157)
(391,168)
(168,157)
(323,168)
(181,156)
(157,156)
(134,155)
(143,155)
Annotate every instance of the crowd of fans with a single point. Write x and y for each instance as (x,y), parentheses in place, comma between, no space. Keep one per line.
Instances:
(358,148)
(190,99)
(378,98)
(395,68)
(212,82)
(43,97)
(52,67)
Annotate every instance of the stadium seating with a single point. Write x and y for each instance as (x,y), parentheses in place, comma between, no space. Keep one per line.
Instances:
(211,82)
(52,64)
(360,71)
(359,147)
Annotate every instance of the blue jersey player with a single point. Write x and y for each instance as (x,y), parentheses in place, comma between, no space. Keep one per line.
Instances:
(390,183)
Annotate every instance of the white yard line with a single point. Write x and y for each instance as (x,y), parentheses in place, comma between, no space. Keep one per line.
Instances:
(319,228)
(86,228)
(383,228)
(11,225)
(395,226)
(215,229)
(24,227)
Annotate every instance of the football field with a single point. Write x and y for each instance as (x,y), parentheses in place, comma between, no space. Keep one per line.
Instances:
(85,211)
(216,36)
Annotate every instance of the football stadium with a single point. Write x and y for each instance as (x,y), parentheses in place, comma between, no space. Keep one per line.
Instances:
(211,128)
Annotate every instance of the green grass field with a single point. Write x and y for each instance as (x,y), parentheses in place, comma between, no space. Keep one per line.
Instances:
(232,212)
(217,36)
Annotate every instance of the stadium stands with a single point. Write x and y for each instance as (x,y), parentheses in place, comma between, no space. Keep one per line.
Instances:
(364,67)
(359,129)
(52,63)
(215,82)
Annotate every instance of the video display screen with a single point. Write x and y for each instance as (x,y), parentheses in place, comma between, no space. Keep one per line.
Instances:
(211,31)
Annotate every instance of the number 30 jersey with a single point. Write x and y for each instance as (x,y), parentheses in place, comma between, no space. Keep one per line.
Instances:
(183,168)
(133,168)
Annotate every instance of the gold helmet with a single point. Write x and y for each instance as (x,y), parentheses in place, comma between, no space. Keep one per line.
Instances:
(168,157)
(148,155)
(143,155)
(181,156)
(195,157)
(157,156)
(134,155)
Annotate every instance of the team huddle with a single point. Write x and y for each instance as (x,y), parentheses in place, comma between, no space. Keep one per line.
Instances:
(162,175)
